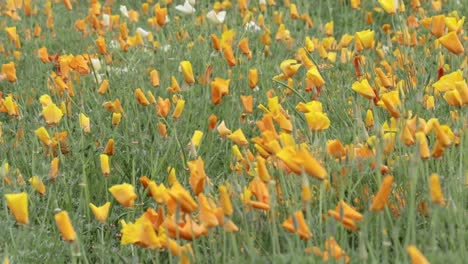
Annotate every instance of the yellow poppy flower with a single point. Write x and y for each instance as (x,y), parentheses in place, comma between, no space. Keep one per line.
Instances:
(52,114)
(451,42)
(238,137)
(186,68)
(124,194)
(65,226)
(416,256)
(18,205)
(100,213)
(226,203)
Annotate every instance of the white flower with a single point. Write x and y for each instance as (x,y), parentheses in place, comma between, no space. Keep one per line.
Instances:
(123,10)
(262,2)
(106,20)
(252,26)
(114,44)
(166,48)
(142,32)
(192,2)
(216,18)
(186,9)
(96,63)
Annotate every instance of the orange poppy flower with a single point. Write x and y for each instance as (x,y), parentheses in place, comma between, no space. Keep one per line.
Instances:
(219,88)
(18,205)
(297,224)
(9,71)
(381,198)
(229,56)
(197,175)
(163,107)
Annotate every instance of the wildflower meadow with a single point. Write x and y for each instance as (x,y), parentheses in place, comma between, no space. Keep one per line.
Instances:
(235,131)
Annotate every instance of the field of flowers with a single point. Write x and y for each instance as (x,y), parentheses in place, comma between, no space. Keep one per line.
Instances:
(258,131)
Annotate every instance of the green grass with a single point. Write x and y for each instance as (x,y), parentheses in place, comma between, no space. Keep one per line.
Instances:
(382,237)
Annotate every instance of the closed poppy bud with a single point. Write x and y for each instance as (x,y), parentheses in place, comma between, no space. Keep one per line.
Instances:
(247,102)
(100,213)
(238,137)
(52,114)
(329,28)
(225,200)
(65,226)
(424,151)
(124,194)
(229,55)
(85,123)
(381,198)
(355,4)
(293,11)
(18,205)
(451,42)
(437,196)
(215,41)
(407,136)
(53,172)
(369,118)
(105,168)
(101,45)
(262,170)
(103,87)
(141,98)
(43,55)
(253,78)
(212,120)
(437,24)
(9,71)
(186,68)
(116,118)
(245,49)
(416,256)
(154,77)
(67,4)
(178,109)
(162,130)
(306,193)
(196,138)
(160,14)
(109,149)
